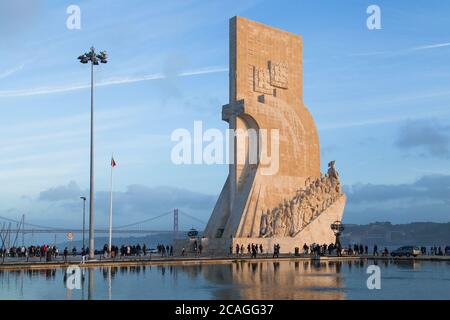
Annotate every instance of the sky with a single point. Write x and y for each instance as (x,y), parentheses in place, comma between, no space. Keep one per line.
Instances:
(380,98)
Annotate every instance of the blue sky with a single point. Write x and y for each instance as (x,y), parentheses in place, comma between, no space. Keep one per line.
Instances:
(381,99)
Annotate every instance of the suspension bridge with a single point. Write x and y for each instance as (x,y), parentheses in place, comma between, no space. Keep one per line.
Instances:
(15,228)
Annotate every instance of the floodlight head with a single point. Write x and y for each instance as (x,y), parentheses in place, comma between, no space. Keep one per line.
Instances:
(103,56)
(91,56)
(337,227)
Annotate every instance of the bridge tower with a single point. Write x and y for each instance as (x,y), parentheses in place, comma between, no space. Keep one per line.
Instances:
(175,223)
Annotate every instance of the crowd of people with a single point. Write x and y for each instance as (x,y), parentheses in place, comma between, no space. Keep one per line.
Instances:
(316,249)
(359,249)
(196,248)
(435,251)
(330,249)
(50,252)
(39,251)
(165,251)
(350,250)
(252,249)
(128,250)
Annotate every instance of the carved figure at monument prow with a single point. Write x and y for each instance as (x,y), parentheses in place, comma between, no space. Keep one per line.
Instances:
(303,208)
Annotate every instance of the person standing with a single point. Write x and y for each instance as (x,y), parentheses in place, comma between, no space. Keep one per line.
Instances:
(305,249)
(276,250)
(66,252)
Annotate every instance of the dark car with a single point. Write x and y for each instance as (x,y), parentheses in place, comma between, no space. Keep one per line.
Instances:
(192,233)
(406,251)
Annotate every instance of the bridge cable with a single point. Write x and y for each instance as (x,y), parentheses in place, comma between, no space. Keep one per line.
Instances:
(192,217)
(144,221)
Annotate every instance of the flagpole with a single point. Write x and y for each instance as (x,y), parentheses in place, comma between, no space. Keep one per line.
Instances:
(110,206)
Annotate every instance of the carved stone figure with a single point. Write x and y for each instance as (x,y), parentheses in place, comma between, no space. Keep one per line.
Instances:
(277,223)
(263,225)
(290,217)
(332,172)
(294,224)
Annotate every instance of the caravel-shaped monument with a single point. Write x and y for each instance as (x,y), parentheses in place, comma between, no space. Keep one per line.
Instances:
(294,204)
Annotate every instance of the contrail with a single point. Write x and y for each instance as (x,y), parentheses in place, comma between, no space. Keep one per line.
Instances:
(432,46)
(105,83)
(402,51)
(9,72)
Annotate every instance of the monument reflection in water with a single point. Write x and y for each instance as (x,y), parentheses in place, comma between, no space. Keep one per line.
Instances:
(236,280)
(278,280)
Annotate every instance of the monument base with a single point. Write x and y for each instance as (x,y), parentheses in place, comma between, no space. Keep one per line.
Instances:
(317,231)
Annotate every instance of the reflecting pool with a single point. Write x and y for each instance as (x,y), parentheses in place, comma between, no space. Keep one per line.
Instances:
(234,280)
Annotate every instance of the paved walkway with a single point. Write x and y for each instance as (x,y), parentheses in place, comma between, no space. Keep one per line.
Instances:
(36,263)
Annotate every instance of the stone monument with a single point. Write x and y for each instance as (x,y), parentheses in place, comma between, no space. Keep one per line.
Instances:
(295,203)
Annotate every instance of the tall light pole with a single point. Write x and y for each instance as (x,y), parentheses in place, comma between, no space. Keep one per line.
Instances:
(337,227)
(84,218)
(94,59)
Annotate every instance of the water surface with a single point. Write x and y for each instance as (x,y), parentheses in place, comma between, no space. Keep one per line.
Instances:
(237,280)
